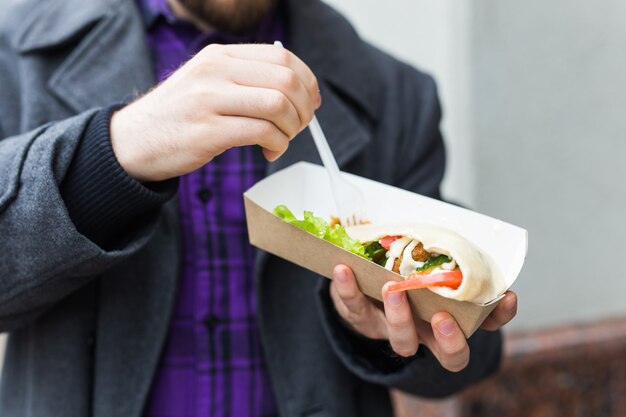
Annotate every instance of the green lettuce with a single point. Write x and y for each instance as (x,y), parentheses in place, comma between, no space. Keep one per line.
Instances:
(433,262)
(319,227)
(376,253)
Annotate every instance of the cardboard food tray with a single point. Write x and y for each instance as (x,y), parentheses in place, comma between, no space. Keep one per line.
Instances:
(304,186)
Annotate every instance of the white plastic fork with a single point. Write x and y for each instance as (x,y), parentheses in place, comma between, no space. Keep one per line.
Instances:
(349,199)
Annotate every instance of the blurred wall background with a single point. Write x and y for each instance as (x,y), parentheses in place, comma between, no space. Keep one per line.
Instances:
(2,343)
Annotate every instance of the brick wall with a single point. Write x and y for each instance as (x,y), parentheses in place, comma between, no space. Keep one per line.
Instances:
(569,371)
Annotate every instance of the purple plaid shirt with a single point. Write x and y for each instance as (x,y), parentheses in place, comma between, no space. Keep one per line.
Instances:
(212,364)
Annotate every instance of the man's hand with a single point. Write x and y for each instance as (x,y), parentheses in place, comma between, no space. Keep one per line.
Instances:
(225,96)
(442,336)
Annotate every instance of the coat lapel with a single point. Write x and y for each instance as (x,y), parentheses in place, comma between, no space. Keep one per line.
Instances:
(111,64)
(325,42)
(106,75)
(345,134)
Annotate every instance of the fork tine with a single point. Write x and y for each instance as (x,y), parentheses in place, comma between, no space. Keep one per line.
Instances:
(353,219)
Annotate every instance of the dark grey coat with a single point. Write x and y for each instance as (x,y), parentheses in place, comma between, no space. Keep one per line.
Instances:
(87,325)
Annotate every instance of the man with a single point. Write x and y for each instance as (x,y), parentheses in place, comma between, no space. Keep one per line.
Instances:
(126,282)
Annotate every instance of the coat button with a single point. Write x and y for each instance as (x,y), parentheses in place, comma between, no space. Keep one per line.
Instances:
(203,195)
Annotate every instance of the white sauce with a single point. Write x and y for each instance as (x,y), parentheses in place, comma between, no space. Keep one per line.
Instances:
(449,266)
(395,250)
(404,247)
(408,264)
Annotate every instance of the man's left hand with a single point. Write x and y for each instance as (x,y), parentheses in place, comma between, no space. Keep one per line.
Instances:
(442,335)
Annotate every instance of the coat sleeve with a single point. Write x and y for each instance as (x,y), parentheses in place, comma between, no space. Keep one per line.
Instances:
(44,256)
(414,107)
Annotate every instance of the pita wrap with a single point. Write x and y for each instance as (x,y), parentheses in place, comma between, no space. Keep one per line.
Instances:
(482,280)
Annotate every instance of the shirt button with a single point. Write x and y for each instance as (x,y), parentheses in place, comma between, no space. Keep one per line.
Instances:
(203,195)
(210,321)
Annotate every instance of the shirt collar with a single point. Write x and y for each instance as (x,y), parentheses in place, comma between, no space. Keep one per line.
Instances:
(152,9)
(270,28)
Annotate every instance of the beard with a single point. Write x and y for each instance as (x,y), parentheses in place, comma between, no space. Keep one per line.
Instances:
(234,16)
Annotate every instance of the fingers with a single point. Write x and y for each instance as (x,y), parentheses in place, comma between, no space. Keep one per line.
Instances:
(263,82)
(401,328)
(503,313)
(275,77)
(354,307)
(450,346)
(224,96)
(282,57)
(442,336)
(261,103)
(239,131)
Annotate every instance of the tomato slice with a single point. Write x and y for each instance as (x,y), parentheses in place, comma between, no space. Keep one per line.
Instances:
(450,279)
(386,241)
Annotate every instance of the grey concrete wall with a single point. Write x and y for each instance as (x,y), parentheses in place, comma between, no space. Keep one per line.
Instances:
(2,343)
(433,36)
(549,122)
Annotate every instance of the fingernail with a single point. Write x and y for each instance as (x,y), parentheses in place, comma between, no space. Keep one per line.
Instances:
(318,99)
(341,275)
(446,327)
(395,298)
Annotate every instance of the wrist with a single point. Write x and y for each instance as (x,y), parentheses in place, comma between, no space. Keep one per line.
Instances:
(126,134)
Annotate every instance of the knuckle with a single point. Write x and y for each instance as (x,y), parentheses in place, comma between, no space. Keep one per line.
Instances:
(347,293)
(289,79)
(356,314)
(265,128)
(195,69)
(277,103)
(307,114)
(458,351)
(357,306)
(277,142)
(354,319)
(283,144)
(459,354)
(369,333)
(405,350)
(284,57)
(399,323)
(455,360)
(208,54)
(313,85)
(456,365)
(211,50)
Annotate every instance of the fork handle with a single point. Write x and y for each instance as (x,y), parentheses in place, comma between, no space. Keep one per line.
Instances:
(321,143)
(324,150)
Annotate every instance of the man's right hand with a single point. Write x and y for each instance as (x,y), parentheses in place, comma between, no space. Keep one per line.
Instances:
(225,96)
